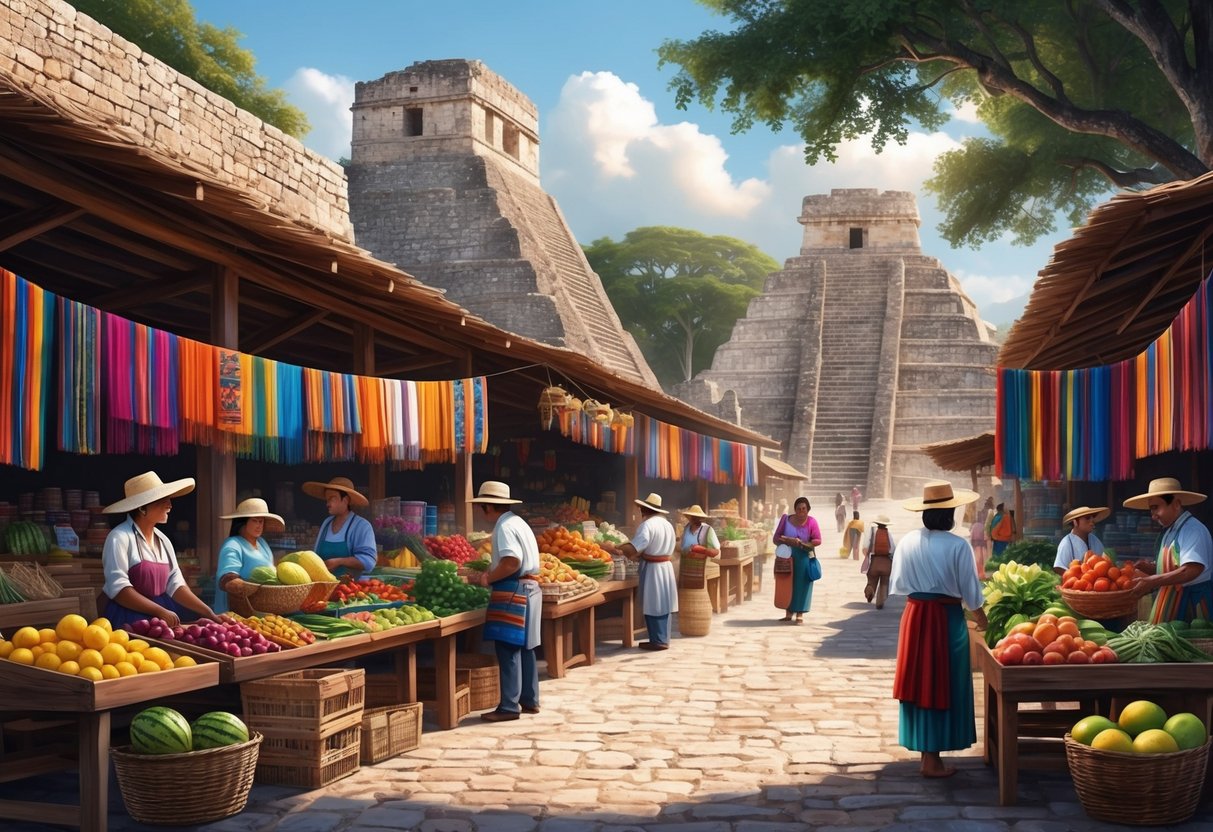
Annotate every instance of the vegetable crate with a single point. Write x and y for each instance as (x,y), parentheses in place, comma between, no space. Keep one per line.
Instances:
(306,704)
(312,762)
(389,732)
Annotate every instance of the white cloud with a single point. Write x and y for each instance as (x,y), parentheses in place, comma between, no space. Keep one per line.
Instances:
(967,112)
(326,99)
(986,290)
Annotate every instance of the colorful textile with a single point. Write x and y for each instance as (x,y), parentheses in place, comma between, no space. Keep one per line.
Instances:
(1187,540)
(79,378)
(923,670)
(140,374)
(27,325)
(953,728)
(199,391)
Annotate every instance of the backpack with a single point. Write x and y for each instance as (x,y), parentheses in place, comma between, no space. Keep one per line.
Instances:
(880,542)
(1003,529)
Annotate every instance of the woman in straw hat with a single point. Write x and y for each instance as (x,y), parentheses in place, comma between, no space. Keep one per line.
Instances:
(244,550)
(653,543)
(142,578)
(933,680)
(346,541)
(698,532)
(1081,539)
(1183,565)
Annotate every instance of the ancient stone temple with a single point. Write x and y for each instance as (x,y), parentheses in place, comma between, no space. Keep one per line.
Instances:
(858,352)
(444,182)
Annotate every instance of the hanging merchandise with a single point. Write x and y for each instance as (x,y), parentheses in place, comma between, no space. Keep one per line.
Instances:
(27,325)
(140,387)
(79,377)
(552,402)
(199,381)
(678,454)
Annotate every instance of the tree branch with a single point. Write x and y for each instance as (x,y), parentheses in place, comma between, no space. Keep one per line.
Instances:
(979,21)
(1059,90)
(1120,178)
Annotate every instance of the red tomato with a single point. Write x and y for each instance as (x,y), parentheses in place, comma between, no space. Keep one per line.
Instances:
(1012,655)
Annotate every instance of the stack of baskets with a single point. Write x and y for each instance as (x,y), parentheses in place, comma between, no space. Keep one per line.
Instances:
(1165,788)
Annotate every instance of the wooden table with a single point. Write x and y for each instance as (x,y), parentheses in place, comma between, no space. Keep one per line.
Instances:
(736,581)
(444,661)
(567,632)
(631,622)
(1013,737)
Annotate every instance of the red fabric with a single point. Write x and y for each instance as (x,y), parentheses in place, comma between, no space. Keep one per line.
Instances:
(923,662)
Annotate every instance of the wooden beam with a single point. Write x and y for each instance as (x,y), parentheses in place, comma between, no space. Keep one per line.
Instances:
(217,470)
(1197,242)
(143,292)
(18,228)
(277,333)
(419,362)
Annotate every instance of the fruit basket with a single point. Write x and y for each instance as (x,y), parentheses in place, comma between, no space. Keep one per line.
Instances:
(1100,605)
(1165,787)
(219,781)
(275,598)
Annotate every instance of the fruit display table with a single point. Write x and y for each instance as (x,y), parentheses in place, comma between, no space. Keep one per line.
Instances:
(736,580)
(449,627)
(1031,738)
(630,620)
(91,703)
(567,632)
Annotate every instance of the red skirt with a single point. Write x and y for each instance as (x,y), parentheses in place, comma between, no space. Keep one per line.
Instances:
(923,664)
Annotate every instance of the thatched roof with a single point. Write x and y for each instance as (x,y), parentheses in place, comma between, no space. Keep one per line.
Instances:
(1119,282)
(964,454)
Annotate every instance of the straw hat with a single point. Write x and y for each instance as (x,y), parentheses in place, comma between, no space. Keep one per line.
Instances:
(652,503)
(148,488)
(882,520)
(940,494)
(253,508)
(1165,485)
(342,484)
(1101,513)
(693,511)
(496,493)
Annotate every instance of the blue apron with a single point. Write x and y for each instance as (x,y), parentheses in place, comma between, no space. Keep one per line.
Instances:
(336,548)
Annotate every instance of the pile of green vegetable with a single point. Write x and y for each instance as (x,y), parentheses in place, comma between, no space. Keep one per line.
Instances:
(1143,643)
(440,589)
(1016,593)
(1026,553)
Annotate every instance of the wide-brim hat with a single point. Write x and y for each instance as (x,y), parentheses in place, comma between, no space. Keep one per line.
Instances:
(1101,513)
(1159,487)
(940,494)
(695,511)
(882,520)
(342,484)
(253,508)
(652,503)
(495,493)
(148,488)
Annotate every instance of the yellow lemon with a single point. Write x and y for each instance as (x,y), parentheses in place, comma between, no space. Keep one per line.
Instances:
(47,636)
(120,637)
(103,623)
(69,667)
(38,649)
(113,653)
(148,667)
(136,645)
(6,649)
(68,650)
(96,637)
(47,660)
(108,671)
(26,637)
(159,656)
(184,661)
(21,655)
(125,669)
(71,627)
(91,658)
(93,674)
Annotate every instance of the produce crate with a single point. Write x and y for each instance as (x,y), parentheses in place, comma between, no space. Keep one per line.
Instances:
(484,680)
(463,690)
(389,732)
(304,704)
(382,690)
(737,549)
(310,775)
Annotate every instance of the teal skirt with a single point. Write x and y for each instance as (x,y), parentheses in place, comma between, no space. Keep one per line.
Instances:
(802,587)
(929,729)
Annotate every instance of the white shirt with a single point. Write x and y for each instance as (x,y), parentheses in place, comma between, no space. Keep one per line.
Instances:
(513,538)
(938,562)
(125,546)
(655,536)
(1073,548)
(871,544)
(1195,544)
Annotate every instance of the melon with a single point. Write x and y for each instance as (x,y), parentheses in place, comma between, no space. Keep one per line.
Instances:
(264,575)
(161,730)
(217,729)
(293,573)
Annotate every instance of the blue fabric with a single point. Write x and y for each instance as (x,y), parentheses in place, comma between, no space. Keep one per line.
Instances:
(356,539)
(999,546)
(519,676)
(802,585)
(236,555)
(926,729)
(659,628)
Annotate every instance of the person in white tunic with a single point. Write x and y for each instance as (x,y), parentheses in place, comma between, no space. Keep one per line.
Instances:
(1081,538)
(514,567)
(653,543)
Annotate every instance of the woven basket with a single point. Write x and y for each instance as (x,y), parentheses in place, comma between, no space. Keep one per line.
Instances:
(321,590)
(219,781)
(484,679)
(1103,605)
(390,732)
(1165,788)
(691,572)
(1204,645)
(279,598)
(694,612)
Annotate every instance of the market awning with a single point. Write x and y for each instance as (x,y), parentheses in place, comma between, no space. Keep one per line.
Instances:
(779,468)
(1118,283)
(967,454)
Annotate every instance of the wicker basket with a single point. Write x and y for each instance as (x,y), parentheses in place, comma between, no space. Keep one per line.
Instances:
(1101,605)
(1165,787)
(484,679)
(1204,645)
(390,732)
(276,598)
(219,781)
(691,571)
(319,594)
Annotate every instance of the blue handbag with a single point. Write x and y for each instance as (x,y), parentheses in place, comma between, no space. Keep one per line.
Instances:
(814,566)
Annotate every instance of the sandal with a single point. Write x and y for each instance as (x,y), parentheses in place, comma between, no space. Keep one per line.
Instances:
(800,619)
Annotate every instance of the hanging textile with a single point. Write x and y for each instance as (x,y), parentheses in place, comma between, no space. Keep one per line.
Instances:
(199,383)
(27,326)
(140,374)
(333,418)
(79,387)
(674,453)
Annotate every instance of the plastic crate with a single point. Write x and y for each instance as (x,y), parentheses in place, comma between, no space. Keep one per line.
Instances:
(304,704)
(390,732)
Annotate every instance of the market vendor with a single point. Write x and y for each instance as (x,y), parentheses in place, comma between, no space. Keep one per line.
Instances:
(346,540)
(653,544)
(699,533)
(244,550)
(1081,539)
(516,604)
(142,578)
(1184,557)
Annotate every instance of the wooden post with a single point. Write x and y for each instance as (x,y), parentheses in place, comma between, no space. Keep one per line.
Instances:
(217,470)
(631,487)
(702,494)
(744,508)
(1018,511)
(364,365)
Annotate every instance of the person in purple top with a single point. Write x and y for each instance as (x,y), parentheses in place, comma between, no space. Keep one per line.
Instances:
(801,532)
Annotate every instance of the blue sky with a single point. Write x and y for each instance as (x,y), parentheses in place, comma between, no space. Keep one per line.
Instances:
(614,150)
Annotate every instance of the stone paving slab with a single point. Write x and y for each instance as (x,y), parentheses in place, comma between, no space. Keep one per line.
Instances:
(760,726)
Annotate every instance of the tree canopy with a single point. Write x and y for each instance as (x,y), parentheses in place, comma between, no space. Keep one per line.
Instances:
(1079,96)
(211,56)
(679,292)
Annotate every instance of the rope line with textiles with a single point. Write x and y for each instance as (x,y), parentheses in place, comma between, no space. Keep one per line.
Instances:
(27,327)
(79,337)
(1094,423)
(140,374)
(678,454)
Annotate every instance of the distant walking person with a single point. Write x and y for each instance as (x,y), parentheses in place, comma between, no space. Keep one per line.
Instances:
(840,511)
(977,536)
(878,560)
(1000,529)
(803,535)
(856,498)
(854,534)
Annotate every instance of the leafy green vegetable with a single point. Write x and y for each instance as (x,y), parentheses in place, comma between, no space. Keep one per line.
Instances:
(1015,590)
(1142,643)
(1026,552)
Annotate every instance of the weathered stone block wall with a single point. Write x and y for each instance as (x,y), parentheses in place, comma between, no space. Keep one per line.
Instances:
(889,219)
(55,54)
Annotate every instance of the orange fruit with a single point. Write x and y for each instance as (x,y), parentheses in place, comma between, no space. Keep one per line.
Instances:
(96,637)
(49,661)
(68,650)
(148,667)
(71,627)
(1113,739)
(136,645)
(126,669)
(26,637)
(103,623)
(21,655)
(113,653)
(38,649)
(71,668)
(1047,618)
(1068,628)
(184,661)
(1155,741)
(90,658)
(108,671)
(93,674)
(1046,631)
(47,636)
(1027,628)
(159,656)
(1101,585)
(1113,573)
(6,649)
(1101,568)
(120,637)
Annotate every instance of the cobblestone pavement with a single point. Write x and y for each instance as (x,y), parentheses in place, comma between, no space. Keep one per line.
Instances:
(761,726)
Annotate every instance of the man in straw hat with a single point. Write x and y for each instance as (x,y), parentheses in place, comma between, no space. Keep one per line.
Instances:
(1081,539)
(878,560)
(933,681)
(516,603)
(244,550)
(346,541)
(1185,554)
(653,543)
(142,578)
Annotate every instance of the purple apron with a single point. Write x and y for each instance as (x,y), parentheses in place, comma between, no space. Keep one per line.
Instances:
(149,579)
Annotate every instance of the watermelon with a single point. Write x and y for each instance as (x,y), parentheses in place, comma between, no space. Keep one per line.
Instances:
(161,730)
(217,729)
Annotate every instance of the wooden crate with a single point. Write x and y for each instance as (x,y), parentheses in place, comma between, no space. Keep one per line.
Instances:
(737,549)
(484,679)
(35,613)
(389,732)
(304,704)
(310,775)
